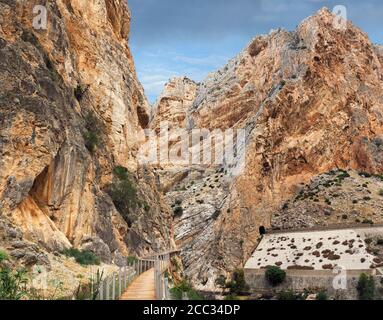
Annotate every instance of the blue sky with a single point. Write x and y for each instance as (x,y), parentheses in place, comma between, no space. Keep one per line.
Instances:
(194,37)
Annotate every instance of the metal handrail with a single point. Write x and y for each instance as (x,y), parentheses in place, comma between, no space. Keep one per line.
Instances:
(161,281)
(113,286)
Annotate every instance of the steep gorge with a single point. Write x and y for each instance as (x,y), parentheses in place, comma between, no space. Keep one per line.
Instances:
(72,111)
(310,101)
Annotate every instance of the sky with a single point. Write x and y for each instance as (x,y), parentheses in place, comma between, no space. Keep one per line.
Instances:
(191,38)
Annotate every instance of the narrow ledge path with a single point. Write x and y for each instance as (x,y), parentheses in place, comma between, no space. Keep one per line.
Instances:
(142,288)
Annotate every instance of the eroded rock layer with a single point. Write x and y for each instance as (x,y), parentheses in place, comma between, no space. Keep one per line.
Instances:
(71,110)
(310,101)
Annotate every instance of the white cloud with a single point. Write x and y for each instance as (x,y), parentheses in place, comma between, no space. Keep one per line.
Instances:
(214,61)
(154,76)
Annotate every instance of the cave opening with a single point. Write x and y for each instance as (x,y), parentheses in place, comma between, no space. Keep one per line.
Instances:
(262,230)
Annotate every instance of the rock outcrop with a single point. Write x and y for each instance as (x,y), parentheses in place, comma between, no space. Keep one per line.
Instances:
(310,101)
(71,110)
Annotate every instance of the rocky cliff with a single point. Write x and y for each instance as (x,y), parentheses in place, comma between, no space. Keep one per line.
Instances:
(71,113)
(72,120)
(311,103)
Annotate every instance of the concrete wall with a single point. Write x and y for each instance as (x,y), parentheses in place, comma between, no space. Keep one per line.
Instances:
(299,280)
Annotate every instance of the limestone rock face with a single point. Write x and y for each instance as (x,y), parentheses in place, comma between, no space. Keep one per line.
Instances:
(53,179)
(173,106)
(310,101)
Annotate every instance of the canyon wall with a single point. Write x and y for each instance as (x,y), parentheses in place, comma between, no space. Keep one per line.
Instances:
(310,101)
(71,111)
(73,116)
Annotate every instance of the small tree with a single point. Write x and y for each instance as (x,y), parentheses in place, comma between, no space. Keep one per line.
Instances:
(275,275)
(237,285)
(366,287)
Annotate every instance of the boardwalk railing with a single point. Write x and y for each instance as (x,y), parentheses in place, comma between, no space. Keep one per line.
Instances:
(113,286)
(161,280)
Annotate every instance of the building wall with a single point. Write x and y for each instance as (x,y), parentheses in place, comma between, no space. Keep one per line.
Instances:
(299,280)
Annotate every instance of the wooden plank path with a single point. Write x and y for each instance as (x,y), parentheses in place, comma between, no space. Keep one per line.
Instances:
(142,288)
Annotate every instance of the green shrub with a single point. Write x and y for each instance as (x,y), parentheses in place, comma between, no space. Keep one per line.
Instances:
(124,194)
(381,192)
(288,295)
(275,275)
(366,287)
(13,284)
(131,259)
(379,242)
(184,287)
(178,211)
(322,295)
(365,174)
(84,258)
(343,175)
(367,221)
(91,141)
(3,256)
(221,281)
(368,241)
(237,285)
(93,130)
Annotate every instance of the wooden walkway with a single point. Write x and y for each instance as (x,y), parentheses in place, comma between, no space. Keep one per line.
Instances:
(143,288)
